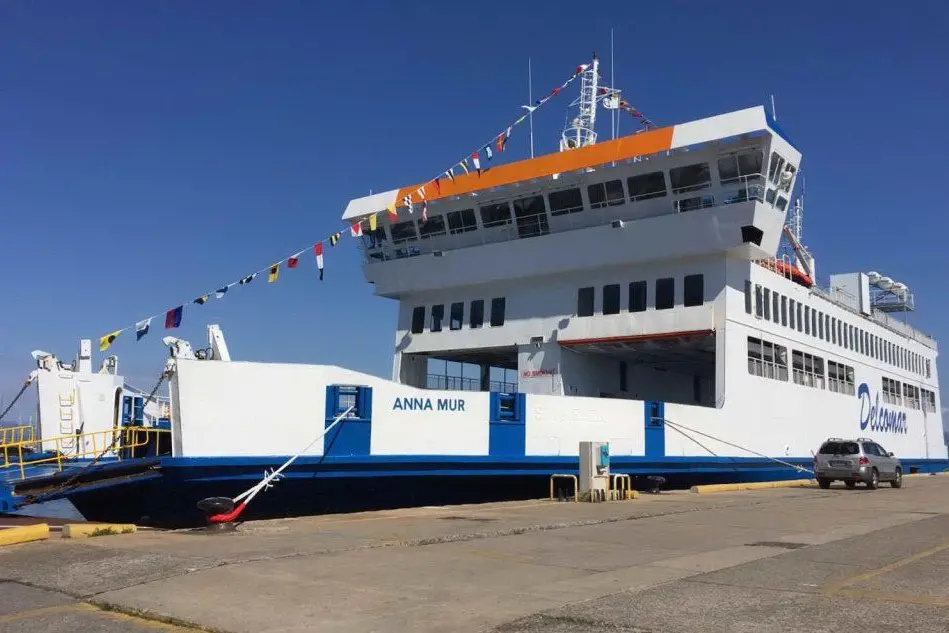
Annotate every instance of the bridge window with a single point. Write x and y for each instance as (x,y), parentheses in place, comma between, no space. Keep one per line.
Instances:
(606,194)
(531,217)
(767,359)
(774,168)
(694,204)
(840,378)
(462,221)
(495,215)
(665,293)
(693,290)
(784,311)
(373,239)
(585,301)
(690,178)
(782,203)
(808,369)
(800,321)
(432,227)
(769,197)
(438,315)
(418,319)
(791,314)
(749,298)
(456,315)
(758,301)
(928,400)
(403,232)
(611,299)
(637,296)
(767,304)
(928,370)
(497,311)
(807,319)
(646,186)
(564,202)
(775,303)
(477,314)
(746,165)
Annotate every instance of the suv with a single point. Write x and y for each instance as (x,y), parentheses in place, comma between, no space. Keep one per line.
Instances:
(851,461)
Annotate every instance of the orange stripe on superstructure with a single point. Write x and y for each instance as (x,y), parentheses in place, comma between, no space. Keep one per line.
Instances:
(561,162)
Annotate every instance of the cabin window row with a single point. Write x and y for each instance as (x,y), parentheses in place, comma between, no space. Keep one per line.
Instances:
(907,395)
(693,294)
(772,306)
(456,315)
(770,360)
(530,213)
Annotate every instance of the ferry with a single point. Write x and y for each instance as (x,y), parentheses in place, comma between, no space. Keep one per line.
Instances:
(650,292)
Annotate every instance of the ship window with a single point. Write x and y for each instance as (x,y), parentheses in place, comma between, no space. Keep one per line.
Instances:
(827,328)
(758,302)
(693,290)
(432,227)
(813,322)
(929,400)
(403,232)
(693,204)
(476,315)
(840,378)
(646,186)
(808,370)
(749,300)
(767,359)
(566,201)
(807,319)
(784,311)
(456,315)
(928,370)
(418,319)
(767,304)
(788,176)
(531,217)
(462,221)
(746,165)
(665,293)
(791,314)
(911,396)
(438,314)
(891,391)
(774,169)
(833,330)
(769,197)
(775,304)
(637,296)
(606,194)
(800,321)
(495,215)
(585,301)
(497,311)
(782,203)
(690,178)
(611,299)
(373,239)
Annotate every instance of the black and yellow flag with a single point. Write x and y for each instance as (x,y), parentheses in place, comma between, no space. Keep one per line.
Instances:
(274,273)
(106,341)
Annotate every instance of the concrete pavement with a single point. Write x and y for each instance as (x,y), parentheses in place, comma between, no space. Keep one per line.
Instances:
(775,560)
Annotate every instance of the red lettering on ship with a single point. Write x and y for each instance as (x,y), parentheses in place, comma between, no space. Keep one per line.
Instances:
(533,373)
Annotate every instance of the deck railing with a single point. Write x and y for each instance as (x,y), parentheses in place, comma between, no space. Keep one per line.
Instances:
(462,383)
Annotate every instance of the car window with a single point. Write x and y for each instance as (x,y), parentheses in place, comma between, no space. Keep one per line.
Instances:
(839,448)
(871,449)
(881,450)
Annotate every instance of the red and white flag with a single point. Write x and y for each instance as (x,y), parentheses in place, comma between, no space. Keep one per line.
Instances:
(318,250)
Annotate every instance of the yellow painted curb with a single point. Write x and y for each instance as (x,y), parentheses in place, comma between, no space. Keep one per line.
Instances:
(24,534)
(81,530)
(756,485)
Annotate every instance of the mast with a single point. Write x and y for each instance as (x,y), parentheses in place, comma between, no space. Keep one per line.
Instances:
(582,130)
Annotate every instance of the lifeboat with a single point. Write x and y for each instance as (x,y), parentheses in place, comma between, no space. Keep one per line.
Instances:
(796,274)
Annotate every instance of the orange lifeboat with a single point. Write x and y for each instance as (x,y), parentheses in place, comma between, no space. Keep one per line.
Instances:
(794,273)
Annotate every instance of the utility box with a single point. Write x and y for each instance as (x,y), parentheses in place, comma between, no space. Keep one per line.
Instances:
(594,481)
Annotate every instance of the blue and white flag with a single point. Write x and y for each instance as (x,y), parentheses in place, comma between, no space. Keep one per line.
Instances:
(141,328)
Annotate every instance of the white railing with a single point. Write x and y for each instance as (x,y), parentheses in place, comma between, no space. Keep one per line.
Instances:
(463,383)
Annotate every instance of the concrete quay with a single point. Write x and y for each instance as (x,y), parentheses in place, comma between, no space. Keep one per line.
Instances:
(784,560)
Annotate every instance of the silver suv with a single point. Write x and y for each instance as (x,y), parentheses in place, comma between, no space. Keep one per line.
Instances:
(856,460)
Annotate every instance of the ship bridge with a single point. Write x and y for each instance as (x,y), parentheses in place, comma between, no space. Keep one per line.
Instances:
(592,270)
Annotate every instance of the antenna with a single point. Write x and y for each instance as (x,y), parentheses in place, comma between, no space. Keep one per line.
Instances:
(613,113)
(530,100)
(774,115)
(582,130)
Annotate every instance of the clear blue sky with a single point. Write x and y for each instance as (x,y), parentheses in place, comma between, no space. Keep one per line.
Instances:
(151,151)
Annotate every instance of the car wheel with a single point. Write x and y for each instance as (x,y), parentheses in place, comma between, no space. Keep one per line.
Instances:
(823,483)
(898,479)
(851,484)
(874,480)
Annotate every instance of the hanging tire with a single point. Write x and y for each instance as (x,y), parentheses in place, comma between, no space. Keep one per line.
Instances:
(823,483)
(851,484)
(874,482)
(898,479)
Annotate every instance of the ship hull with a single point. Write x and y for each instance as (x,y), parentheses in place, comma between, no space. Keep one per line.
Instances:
(167,496)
